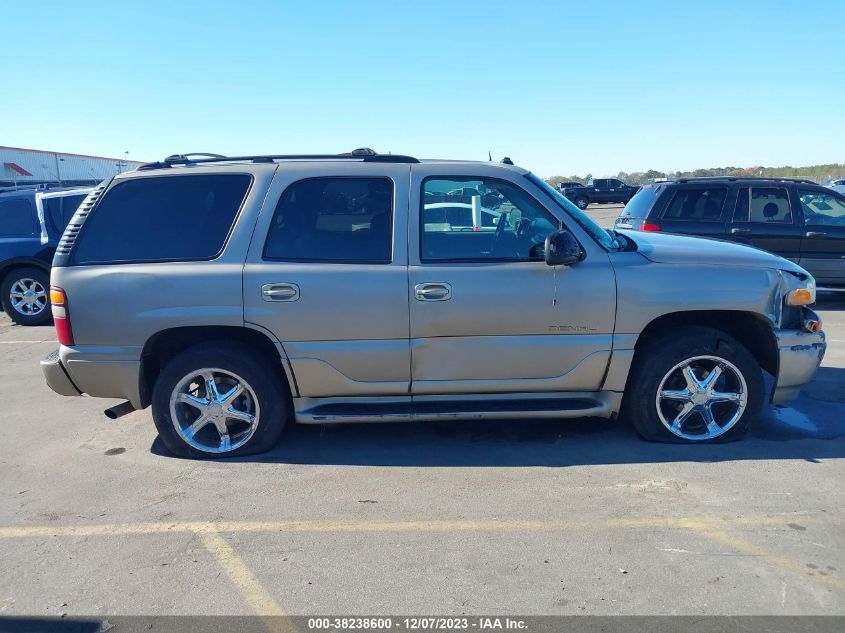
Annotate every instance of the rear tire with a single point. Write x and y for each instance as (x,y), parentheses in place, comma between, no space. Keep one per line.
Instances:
(25,295)
(241,411)
(668,397)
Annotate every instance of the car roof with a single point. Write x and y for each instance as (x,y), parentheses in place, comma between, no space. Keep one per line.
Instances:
(363,155)
(750,179)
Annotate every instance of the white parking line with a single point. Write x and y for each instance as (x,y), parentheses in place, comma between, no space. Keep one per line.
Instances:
(46,340)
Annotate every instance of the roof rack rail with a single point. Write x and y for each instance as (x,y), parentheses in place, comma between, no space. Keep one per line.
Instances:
(735,178)
(364,154)
(176,158)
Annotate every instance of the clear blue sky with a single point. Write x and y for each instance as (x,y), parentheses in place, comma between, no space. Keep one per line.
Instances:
(560,87)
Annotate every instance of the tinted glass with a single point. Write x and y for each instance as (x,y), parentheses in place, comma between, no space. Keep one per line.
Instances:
(642,202)
(59,210)
(17,218)
(768,204)
(162,219)
(822,208)
(333,220)
(696,204)
(481,219)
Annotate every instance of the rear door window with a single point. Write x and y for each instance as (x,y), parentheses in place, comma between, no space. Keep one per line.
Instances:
(334,220)
(696,204)
(164,218)
(768,205)
(16,218)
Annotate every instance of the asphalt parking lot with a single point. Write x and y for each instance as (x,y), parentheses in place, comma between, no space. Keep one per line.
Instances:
(564,517)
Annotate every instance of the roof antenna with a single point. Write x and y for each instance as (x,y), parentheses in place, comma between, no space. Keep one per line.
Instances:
(489,156)
(507,161)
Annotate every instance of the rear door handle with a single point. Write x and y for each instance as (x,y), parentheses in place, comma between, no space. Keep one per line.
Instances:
(280,292)
(815,234)
(737,231)
(439,291)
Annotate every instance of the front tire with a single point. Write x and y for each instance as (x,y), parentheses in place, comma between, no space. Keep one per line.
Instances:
(581,202)
(25,295)
(695,385)
(220,400)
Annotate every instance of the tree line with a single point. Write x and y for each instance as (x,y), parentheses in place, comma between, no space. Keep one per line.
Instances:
(816,173)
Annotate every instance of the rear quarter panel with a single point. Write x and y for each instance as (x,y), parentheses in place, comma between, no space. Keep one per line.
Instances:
(119,306)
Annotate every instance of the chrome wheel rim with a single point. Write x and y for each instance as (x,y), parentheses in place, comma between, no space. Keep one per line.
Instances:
(582,204)
(214,410)
(701,398)
(28,297)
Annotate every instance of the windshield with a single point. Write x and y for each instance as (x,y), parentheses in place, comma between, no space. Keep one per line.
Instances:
(584,221)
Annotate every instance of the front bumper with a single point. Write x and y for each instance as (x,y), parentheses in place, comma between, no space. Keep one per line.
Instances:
(799,354)
(56,375)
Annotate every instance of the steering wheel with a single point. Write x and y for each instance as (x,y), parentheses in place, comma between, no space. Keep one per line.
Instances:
(500,230)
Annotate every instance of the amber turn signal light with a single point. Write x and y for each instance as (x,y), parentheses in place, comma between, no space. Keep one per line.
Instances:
(799,297)
(812,325)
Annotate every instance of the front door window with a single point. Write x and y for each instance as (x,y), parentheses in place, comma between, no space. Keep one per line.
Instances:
(481,220)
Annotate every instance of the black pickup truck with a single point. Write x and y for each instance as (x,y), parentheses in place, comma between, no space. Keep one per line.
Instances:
(602,191)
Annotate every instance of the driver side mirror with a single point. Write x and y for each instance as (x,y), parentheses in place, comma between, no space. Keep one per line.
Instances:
(562,249)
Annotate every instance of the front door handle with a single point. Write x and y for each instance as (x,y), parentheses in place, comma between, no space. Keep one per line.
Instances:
(439,291)
(815,234)
(740,231)
(280,292)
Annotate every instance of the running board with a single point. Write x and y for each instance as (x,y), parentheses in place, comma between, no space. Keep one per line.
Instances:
(453,408)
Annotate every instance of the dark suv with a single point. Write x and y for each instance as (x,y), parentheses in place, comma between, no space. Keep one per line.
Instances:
(31,223)
(797,219)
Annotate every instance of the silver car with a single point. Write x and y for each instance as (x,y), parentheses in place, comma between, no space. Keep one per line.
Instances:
(238,295)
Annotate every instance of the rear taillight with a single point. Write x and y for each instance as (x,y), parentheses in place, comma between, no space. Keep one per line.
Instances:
(61,316)
(646,226)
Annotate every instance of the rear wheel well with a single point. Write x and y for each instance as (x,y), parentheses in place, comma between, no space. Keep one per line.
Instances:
(163,346)
(752,330)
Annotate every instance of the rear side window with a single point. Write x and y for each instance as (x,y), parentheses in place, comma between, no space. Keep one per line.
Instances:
(16,218)
(165,218)
(335,220)
(696,204)
(642,202)
(60,209)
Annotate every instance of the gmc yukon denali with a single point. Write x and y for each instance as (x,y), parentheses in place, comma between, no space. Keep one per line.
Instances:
(237,295)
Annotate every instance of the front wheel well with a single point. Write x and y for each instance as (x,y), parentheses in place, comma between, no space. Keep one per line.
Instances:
(753,330)
(163,346)
(9,266)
